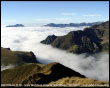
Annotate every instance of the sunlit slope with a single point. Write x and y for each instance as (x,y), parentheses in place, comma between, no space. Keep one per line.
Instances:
(77,81)
(18,74)
(9,57)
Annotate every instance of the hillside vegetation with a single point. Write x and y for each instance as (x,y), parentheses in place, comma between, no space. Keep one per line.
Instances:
(16,58)
(91,40)
(53,73)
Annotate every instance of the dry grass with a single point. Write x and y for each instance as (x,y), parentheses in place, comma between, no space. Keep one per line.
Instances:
(78,81)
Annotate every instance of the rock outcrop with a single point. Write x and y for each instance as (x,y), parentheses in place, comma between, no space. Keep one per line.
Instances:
(49,39)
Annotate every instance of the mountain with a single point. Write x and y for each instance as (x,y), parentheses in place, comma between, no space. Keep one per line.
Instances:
(72,24)
(53,73)
(16,25)
(32,72)
(90,40)
(37,73)
(16,58)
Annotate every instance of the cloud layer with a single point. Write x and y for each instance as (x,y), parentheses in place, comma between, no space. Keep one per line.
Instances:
(28,39)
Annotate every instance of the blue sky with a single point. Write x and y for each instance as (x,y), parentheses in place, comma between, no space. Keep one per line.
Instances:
(42,12)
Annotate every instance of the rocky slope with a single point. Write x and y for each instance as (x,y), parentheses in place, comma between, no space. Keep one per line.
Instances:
(91,40)
(49,39)
(16,58)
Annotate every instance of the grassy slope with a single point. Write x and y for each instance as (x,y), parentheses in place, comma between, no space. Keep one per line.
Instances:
(93,39)
(18,74)
(37,73)
(79,81)
(105,28)
(53,73)
(9,57)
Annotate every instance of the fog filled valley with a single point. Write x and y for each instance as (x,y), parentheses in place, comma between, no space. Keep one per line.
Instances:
(95,66)
(55,44)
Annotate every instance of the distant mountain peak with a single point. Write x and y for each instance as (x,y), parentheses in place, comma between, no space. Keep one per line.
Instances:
(16,25)
(73,24)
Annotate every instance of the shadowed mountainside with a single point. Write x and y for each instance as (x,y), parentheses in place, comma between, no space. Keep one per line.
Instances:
(91,40)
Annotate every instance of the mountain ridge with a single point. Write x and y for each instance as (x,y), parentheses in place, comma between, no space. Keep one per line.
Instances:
(90,40)
(72,24)
(16,25)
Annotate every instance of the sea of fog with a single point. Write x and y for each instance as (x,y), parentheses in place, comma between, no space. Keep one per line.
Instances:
(28,39)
